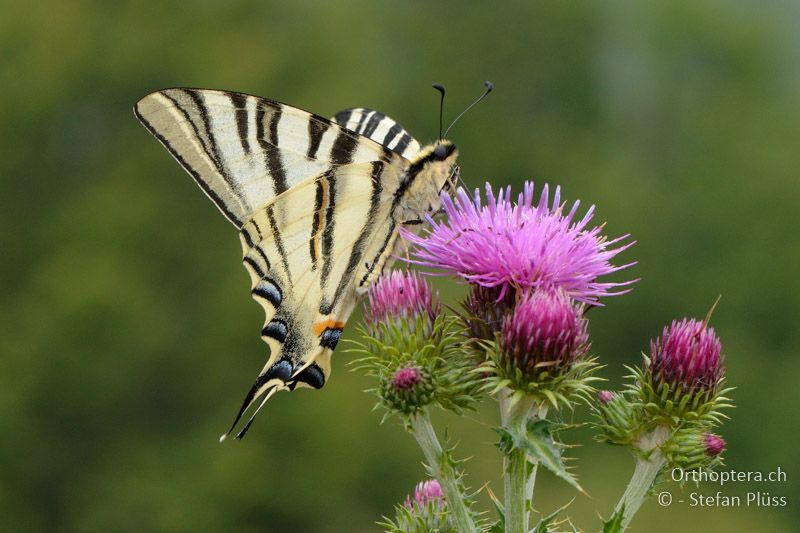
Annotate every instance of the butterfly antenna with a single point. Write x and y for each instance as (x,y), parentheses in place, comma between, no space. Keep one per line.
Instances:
(439,87)
(461,181)
(489,88)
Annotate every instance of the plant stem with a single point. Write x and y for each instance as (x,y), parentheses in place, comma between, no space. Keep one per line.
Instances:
(516,473)
(443,470)
(539,413)
(644,475)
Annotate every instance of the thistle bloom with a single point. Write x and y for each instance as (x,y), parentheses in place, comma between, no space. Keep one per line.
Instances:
(714,444)
(687,355)
(401,296)
(545,333)
(425,491)
(521,246)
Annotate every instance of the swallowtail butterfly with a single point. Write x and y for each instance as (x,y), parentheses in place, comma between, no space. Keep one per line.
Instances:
(317,202)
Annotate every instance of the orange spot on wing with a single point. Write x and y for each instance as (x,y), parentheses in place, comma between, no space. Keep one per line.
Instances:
(319,327)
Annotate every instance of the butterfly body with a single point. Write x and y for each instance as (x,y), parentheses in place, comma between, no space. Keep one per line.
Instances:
(318,204)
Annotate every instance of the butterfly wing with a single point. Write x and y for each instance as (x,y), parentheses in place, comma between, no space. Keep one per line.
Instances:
(315,203)
(244,150)
(380,128)
(307,265)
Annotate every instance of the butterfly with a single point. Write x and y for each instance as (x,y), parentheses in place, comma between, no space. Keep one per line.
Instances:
(318,204)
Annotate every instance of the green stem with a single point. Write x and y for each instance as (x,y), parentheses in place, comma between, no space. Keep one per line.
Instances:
(644,475)
(516,473)
(442,469)
(539,413)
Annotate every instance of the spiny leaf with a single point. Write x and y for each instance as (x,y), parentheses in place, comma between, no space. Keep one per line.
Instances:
(614,524)
(538,443)
(550,520)
(500,525)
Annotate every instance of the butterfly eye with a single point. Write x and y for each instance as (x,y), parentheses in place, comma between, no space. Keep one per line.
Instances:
(440,152)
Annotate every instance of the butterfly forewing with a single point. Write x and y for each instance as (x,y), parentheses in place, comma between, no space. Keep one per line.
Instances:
(243,150)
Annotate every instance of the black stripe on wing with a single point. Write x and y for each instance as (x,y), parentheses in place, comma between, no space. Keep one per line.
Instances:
(213,150)
(344,148)
(269,144)
(316,129)
(276,236)
(210,192)
(380,128)
(364,235)
(242,120)
(329,225)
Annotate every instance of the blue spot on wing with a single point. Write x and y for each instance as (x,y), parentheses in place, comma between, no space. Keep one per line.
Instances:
(276,329)
(330,338)
(268,290)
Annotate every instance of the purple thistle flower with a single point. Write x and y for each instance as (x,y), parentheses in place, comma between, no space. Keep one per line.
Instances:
(546,332)
(520,245)
(687,354)
(714,444)
(424,492)
(401,295)
(406,378)
(605,396)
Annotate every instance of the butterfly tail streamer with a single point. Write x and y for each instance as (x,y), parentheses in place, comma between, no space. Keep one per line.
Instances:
(273,379)
(249,401)
(276,377)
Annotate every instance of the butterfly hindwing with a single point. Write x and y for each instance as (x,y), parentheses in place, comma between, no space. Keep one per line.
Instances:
(306,265)
(243,150)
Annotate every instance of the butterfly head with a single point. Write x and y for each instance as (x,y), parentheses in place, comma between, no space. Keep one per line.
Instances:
(445,174)
(434,170)
(430,173)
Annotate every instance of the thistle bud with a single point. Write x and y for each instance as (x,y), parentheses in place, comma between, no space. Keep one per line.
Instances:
(715,444)
(605,397)
(406,378)
(486,308)
(687,357)
(616,418)
(416,353)
(425,492)
(402,299)
(692,447)
(680,389)
(425,510)
(408,389)
(544,335)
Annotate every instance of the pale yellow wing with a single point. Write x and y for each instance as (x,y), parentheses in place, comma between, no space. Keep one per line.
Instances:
(308,251)
(243,150)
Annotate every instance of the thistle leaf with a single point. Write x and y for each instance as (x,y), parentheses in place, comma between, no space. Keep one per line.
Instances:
(545,524)
(614,524)
(538,443)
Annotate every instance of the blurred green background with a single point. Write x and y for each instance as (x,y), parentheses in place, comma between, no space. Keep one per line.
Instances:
(127,334)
